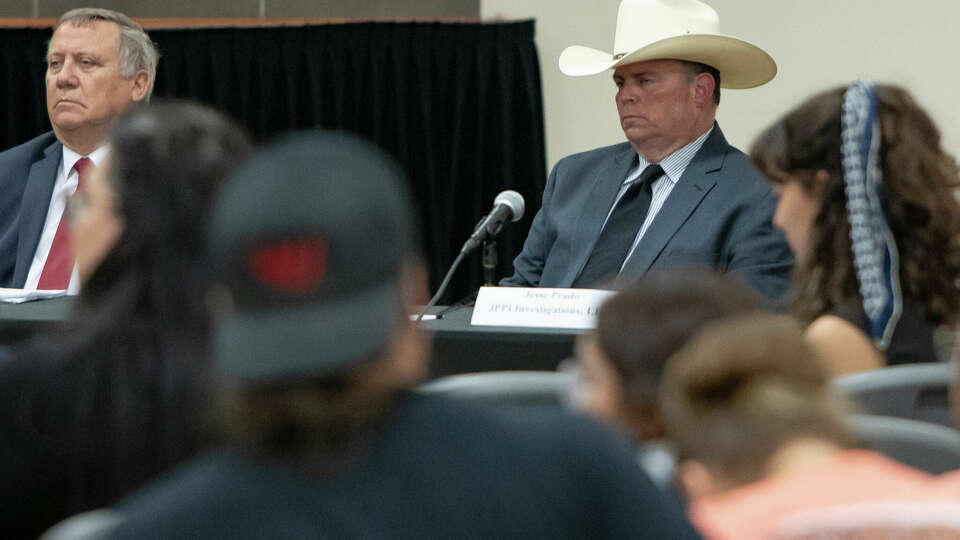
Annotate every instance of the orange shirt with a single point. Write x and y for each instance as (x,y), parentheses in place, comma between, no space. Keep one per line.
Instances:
(858,490)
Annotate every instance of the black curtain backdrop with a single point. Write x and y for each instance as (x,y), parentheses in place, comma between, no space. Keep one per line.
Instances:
(458,104)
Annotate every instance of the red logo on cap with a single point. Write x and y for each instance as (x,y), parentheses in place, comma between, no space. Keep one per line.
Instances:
(290,266)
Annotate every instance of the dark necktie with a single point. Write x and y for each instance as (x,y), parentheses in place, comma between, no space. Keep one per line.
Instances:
(59,264)
(620,231)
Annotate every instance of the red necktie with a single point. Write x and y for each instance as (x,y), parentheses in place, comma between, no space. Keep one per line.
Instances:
(59,264)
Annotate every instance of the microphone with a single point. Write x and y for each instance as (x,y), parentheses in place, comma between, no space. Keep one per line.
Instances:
(507,206)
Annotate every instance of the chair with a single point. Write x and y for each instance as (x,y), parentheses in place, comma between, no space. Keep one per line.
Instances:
(915,391)
(540,389)
(922,445)
(90,525)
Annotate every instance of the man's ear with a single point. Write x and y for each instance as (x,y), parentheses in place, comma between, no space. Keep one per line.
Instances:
(141,81)
(704,85)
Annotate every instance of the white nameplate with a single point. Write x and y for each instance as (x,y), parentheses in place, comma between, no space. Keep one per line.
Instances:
(540,307)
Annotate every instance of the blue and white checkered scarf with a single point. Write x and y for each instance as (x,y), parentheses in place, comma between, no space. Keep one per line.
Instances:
(875,255)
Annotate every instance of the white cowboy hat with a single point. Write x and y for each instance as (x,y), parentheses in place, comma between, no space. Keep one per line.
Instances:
(678,30)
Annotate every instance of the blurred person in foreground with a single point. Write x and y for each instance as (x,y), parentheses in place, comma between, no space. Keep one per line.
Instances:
(99,64)
(318,269)
(765,451)
(111,397)
(867,204)
(620,364)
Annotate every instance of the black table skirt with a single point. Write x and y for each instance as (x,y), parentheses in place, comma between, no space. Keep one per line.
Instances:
(458,346)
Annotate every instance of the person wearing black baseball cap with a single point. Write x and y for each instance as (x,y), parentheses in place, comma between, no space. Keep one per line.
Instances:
(316,250)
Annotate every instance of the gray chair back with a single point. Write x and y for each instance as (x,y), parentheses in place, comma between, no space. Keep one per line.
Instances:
(914,391)
(922,445)
(540,389)
(91,525)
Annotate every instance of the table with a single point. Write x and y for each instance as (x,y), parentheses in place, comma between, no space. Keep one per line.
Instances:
(458,346)
(20,321)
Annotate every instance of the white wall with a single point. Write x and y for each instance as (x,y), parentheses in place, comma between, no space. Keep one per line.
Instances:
(816,43)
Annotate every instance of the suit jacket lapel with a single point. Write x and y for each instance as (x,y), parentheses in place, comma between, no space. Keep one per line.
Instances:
(598,203)
(697,180)
(34,208)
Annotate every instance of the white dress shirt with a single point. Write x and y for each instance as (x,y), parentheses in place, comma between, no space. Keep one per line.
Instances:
(63,188)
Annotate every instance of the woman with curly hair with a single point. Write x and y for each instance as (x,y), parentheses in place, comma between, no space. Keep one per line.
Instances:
(866,203)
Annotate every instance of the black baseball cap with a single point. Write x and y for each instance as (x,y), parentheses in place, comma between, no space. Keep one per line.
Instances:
(309,238)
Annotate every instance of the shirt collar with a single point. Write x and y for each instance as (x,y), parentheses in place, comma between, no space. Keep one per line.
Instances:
(676,163)
(70,158)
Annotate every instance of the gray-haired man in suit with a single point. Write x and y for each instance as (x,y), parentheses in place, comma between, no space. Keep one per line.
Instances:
(676,194)
(99,62)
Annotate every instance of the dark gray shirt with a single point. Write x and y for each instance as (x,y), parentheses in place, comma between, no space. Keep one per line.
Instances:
(436,469)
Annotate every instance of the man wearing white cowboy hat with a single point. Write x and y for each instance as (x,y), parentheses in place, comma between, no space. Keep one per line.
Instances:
(675,194)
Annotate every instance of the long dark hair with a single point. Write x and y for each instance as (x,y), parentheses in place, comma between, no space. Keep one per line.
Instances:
(122,380)
(918,182)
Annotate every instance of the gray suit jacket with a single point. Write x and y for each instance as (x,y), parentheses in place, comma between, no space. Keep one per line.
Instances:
(718,216)
(27,175)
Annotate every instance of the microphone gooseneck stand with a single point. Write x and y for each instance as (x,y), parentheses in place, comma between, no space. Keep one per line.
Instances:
(443,285)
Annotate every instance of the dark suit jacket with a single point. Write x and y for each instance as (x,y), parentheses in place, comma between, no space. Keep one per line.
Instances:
(718,215)
(27,175)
